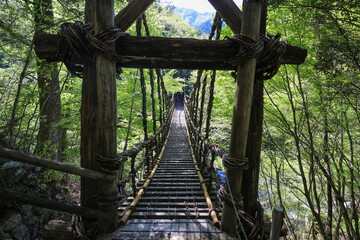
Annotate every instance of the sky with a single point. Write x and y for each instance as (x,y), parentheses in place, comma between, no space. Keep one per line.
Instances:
(198,5)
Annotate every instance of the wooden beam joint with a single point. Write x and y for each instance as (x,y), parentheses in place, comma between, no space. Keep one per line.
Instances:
(160,52)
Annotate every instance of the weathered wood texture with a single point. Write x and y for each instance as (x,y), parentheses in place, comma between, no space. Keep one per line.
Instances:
(128,15)
(167,229)
(229,12)
(50,204)
(250,182)
(59,166)
(241,114)
(277,220)
(159,52)
(98,119)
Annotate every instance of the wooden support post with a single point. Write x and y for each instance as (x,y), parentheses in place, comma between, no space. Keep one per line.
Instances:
(250,184)
(241,113)
(98,118)
(229,12)
(128,15)
(158,76)
(276,222)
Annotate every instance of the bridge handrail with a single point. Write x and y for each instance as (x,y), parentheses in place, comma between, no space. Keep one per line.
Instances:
(202,147)
(18,156)
(14,155)
(153,145)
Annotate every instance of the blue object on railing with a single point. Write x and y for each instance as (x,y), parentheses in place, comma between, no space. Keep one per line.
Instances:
(222,177)
(221,174)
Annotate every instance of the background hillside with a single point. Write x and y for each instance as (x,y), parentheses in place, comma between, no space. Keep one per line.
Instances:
(199,21)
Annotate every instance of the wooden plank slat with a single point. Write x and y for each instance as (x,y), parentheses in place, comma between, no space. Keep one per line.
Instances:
(165,215)
(168,209)
(168,204)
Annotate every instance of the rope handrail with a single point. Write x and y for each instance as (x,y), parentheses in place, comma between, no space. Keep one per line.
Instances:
(152,145)
(203,146)
(140,146)
(206,145)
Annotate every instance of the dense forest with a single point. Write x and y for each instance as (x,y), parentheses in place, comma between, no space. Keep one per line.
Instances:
(310,143)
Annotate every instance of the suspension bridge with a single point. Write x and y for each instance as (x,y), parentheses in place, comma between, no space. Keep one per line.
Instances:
(176,195)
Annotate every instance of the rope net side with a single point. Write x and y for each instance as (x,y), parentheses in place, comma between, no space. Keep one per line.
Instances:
(205,157)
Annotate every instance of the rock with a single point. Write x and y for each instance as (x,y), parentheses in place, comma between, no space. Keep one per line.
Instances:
(4,236)
(11,224)
(11,164)
(58,230)
(21,232)
(9,221)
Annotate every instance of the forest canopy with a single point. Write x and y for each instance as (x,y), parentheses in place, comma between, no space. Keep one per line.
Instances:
(310,143)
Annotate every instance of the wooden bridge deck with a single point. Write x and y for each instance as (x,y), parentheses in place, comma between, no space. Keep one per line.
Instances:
(173,206)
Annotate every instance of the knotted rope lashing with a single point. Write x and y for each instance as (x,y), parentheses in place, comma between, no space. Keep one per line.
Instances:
(108,165)
(80,42)
(104,200)
(268,49)
(234,163)
(255,224)
(226,197)
(84,231)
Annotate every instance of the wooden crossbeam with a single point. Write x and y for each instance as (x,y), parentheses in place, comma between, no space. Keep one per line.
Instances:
(160,52)
(59,166)
(128,15)
(51,204)
(229,12)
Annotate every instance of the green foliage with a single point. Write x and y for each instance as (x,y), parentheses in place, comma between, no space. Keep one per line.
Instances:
(302,104)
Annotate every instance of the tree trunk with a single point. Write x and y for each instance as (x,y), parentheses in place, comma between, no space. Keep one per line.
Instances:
(49,136)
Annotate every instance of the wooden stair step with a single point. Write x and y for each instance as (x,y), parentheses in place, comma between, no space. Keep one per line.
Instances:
(172,188)
(168,209)
(159,170)
(174,193)
(166,215)
(177,150)
(175,158)
(176,176)
(163,169)
(178,165)
(190,166)
(180,172)
(167,204)
(185,180)
(177,161)
(154,183)
(180,199)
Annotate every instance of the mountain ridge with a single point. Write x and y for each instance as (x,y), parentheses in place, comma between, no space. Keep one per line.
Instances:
(199,21)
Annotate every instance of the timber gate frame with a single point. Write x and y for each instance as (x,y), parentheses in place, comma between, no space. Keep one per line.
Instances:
(98,109)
